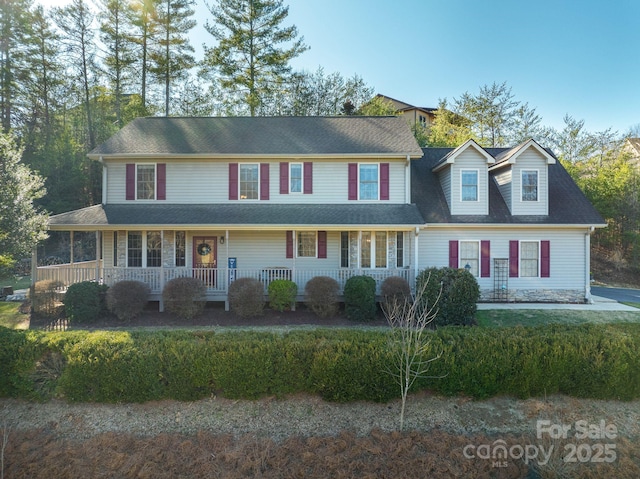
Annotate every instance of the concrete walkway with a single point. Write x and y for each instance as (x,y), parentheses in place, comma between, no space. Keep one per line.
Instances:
(599,304)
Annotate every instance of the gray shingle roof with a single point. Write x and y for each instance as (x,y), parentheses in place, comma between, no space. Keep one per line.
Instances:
(239,214)
(220,136)
(567,203)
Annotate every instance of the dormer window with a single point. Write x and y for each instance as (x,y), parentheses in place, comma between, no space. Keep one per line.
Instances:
(469,185)
(529,185)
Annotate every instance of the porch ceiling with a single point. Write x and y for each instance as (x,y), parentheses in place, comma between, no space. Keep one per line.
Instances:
(225,216)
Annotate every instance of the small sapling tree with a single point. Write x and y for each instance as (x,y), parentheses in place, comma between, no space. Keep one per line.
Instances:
(409,340)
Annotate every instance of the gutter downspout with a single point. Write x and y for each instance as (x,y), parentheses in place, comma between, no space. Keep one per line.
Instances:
(104,181)
(587,266)
(407,181)
(416,237)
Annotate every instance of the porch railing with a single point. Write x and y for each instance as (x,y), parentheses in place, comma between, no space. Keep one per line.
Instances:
(216,279)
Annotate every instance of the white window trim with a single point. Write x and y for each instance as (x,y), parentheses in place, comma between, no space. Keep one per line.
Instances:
(479,258)
(301,178)
(378,167)
(240,165)
(462,200)
(297,244)
(529,170)
(155,181)
(372,250)
(520,258)
(144,248)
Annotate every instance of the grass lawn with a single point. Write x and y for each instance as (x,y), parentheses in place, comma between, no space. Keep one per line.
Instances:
(504,318)
(16,282)
(11,317)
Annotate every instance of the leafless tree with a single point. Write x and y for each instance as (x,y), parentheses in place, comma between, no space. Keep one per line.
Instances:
(409,340)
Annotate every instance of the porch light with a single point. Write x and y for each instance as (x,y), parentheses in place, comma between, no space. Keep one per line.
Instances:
(467,267)
(221,239)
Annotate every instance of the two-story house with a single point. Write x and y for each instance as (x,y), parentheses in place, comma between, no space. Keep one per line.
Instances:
(298,197)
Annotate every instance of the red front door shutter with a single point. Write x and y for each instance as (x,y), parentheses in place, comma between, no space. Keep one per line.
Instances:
(384,181)
(161,171)
(289,244)
(545,259)
(284,178)
(264,181)
(233,181)
(485,259)
(308,178)
(513,259)
(353,181)
(453,254)
(322,244)
(131,181)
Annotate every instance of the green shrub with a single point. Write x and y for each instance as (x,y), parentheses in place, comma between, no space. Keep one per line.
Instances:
(360,298)
(185,297)
(45,296)
(456,292)
(127,299)
(246,297)
(395,288)
(85,302)
(282,294)
(321,296)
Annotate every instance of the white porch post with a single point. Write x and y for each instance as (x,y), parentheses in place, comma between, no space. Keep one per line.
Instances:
(98,254)
(416,256)
(587,266)
(161,302)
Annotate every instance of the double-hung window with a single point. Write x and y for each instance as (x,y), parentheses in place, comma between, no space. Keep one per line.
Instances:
(249,181)
(373,249)
(144,249)
(146,182)
(181,248)
(368,181)
(529,185)
(295,178)
(529,258)
(306,244)
(470,256)
(469,185)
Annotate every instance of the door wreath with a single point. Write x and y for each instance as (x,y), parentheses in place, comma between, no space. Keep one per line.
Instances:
(203,249)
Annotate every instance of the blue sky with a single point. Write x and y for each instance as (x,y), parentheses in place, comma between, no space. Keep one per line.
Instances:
(580,57)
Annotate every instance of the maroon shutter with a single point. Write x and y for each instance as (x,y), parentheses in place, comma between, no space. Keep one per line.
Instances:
(233,181)
(353,181)
(384,181)
(545,259)
(131,181)
(161,171)
(284,178)
(308,178)
(322,244)
(453,254)
(485,259)
(264,181)
(289,244)
(513,259)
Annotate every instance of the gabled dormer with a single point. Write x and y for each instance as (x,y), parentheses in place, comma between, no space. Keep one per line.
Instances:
(464,178)
(522,176)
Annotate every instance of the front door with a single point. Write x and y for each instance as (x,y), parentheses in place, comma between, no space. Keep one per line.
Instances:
(205,258)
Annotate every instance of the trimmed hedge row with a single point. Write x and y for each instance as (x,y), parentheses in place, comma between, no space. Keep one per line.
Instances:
(595,361)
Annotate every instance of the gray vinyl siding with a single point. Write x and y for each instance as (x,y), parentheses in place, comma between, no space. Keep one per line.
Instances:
(503,180)
(202,182)
(445,182)
(470,159)
(530,160)
(567,250)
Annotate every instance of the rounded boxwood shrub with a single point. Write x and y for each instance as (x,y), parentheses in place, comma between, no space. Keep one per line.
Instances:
(394,289)
(321,296)
(185,297)
(246,297)
(85,302)
(460,293)
(282,294)
(360,298)
(127,299)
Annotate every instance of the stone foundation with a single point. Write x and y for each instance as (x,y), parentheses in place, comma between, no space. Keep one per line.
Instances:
(536,296)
